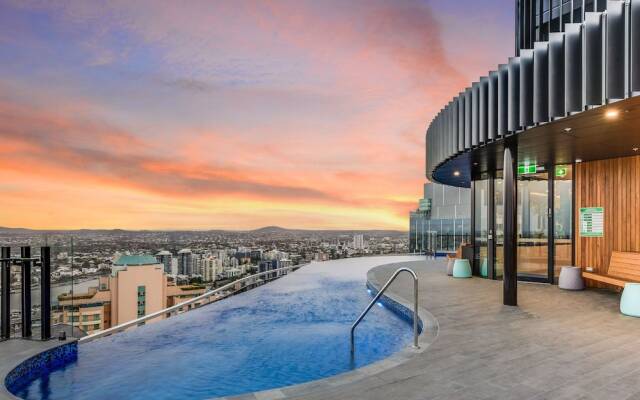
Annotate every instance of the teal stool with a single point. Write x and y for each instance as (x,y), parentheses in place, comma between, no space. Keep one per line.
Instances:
(630,300)
(461,268)
(484,268)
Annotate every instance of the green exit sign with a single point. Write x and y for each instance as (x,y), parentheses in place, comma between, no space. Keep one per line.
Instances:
(561,171)
(527,169)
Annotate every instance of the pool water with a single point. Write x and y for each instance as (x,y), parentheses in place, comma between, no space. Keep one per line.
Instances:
(290,331)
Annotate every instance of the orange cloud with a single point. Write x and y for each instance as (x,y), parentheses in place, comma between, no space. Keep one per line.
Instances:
(304,114)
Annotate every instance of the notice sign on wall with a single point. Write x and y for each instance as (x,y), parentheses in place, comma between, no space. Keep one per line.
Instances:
(592,222)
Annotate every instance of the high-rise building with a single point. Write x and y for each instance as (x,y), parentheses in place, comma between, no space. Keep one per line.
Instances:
(196,261)
(442,220)
(211,268)
(358,242)
(537,20)
(270,265)
(185,262)
(165,258)
(256,255)
(547,144)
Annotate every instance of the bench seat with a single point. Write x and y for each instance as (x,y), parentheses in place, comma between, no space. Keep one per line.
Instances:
(609,279)
(624,267)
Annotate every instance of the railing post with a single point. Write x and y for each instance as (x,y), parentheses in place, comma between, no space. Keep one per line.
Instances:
(5,278)
(45,293)
(25,254)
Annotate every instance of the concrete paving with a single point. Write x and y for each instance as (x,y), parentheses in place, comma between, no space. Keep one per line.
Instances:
(555,345)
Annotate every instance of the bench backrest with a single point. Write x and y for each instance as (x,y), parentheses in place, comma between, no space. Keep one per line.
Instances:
(625,265)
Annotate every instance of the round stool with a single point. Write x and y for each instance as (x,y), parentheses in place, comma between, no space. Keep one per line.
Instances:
(484,269)
(450,263)
(461,268)
(630,300)
(571,278)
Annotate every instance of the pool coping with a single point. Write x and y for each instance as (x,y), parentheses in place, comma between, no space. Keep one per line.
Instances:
(39,352)
(428,335)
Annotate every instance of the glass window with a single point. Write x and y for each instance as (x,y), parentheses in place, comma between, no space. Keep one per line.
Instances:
(563,216)
(499,224)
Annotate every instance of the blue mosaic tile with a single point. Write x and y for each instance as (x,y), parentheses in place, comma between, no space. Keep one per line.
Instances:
(395,307)
(40,364)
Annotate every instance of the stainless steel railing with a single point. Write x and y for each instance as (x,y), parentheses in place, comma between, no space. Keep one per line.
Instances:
(178,307)
(375,299)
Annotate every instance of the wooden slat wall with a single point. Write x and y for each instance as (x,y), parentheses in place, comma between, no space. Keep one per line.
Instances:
(615,185)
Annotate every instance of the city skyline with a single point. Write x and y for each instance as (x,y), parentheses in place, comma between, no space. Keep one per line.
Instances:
(300,114)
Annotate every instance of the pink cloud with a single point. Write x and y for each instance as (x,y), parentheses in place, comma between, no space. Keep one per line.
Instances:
(287,103)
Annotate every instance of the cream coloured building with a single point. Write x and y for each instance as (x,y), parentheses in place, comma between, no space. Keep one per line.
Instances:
(137,287)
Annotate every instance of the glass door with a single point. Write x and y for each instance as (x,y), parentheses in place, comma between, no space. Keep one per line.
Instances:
(499,225)
(481,226)
(533,226)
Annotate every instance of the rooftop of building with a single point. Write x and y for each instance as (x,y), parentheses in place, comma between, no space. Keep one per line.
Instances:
(557,344)
(135,260)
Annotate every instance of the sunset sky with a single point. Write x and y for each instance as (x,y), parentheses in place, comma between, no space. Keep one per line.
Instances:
(229,114)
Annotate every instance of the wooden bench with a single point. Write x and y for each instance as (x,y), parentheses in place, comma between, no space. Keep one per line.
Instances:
(623,267)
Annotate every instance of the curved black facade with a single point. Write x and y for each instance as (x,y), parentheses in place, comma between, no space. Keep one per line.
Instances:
(590,64)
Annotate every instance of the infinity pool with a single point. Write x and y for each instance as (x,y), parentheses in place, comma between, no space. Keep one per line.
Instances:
(293,330)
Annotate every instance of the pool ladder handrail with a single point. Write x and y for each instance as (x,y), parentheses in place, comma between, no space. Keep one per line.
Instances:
(380,293)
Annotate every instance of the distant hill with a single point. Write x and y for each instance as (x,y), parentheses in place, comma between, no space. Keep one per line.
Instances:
(15,230)
(271,229)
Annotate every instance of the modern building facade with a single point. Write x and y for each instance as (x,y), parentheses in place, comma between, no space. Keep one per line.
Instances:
(165,258)
(139,286)
(185,262)
(442,220)
(270,265)
(548,143)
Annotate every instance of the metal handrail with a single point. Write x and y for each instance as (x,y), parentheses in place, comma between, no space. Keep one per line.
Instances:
(375,299)
(177,307)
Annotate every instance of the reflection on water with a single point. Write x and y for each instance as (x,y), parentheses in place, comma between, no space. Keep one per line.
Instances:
(290,331)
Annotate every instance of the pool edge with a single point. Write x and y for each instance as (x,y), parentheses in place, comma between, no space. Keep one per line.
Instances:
(396,304)
(429,333)
(30,356)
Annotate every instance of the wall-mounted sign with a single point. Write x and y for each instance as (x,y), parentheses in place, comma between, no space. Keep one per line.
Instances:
(530,169)
(561,171)
(527,169)
(592,221)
